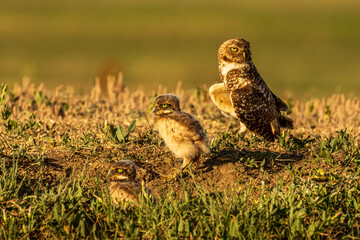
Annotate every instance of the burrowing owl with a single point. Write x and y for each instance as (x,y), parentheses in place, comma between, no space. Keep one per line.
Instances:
(123,186)
(244,94)
(181,132)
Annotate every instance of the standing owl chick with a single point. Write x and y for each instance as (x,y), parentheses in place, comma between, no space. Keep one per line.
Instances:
(181,132)
(244,93)
(123,186)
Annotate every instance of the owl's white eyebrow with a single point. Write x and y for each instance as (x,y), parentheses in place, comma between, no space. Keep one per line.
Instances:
(230,66)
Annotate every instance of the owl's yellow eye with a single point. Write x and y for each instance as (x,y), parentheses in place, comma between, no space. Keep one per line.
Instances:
(234,49)
(164,105)
(120,170)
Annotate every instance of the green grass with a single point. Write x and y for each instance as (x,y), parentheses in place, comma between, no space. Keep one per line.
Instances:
(298,210)
(303,47)
(54,161)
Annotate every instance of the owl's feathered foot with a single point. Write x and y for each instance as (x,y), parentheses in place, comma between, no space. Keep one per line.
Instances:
(187,161)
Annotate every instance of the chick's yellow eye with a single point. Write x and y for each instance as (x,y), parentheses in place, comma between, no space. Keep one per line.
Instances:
(234,49)
(120,170)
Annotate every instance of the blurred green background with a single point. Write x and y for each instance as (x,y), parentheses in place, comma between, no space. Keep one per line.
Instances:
(303,48)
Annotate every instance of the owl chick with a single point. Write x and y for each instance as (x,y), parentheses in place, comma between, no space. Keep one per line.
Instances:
(123,186)
(181,132)
(245,95)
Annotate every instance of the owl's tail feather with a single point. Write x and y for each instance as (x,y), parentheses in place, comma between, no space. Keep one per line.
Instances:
(286,122)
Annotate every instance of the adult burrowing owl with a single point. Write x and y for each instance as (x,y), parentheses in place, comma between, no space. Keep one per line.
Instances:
(244,94)
(123,186)
(181,132)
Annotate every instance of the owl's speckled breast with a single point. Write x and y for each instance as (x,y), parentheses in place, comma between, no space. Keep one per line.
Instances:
(234,74)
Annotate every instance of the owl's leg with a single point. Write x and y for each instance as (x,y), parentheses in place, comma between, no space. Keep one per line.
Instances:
(275,127)
(179,172)
(243,128)
(186,163)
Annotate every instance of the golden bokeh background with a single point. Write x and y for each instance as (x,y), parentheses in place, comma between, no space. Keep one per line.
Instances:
(301,48)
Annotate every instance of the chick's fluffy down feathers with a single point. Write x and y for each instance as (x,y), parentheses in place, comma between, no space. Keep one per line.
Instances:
(182,140)
(129,191)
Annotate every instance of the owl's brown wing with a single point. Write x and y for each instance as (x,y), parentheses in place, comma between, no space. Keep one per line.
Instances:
(187,126)
(221,98)
(256,109)
(281,105)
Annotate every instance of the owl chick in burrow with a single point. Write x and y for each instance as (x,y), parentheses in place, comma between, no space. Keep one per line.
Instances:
(123,186)
(181,132)
(245,95)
